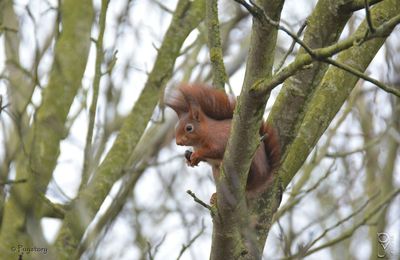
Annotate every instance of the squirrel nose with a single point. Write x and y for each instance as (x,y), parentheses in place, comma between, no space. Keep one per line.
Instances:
(179,141)
(182,140)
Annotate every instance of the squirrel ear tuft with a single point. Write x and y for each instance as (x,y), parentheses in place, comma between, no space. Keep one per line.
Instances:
(196,113)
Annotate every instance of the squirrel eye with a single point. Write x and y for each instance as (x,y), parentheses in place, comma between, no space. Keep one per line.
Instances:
(189,128)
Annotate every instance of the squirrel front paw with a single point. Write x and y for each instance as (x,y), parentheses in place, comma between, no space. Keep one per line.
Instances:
(190,159)
(194,159)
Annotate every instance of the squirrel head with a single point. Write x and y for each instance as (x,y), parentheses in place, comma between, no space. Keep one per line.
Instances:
(194,105)
(190,129)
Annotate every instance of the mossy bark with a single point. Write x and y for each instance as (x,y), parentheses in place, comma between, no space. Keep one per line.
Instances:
(186,17)
(232,235)
(309,95)
(214,45)
(324,27)
(39,157)
(333,92)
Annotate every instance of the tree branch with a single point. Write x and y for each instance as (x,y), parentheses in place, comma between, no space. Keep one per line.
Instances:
(360,223)
(214,45)
(232,229)
(190,243)
(359,74)
(260,14)
(368,16)
(202,203)
(47,130)
(12,182)
(356,5)
(187,16)
(322,53)
(290,50)
(88,157)
(336,83)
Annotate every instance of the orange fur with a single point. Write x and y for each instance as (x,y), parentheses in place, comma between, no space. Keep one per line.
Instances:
(205,116)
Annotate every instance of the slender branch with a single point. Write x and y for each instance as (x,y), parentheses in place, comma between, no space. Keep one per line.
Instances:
(202,203)
(359,74)
(53,210)
(326,231)
(369,144)
(322,53)
(112,211)
(190,243)
(7,29)
(290,50)
(187,16)
(158,245)
(96,85)
(214,44)
(368,16)
(382,33)
(302,194)
(163,7)
(248,7)
(356,5)
(349,232)
(151,257)
(2,107)
(8,182)
(260,14)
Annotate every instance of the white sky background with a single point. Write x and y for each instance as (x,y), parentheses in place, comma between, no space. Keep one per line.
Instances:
(138,49)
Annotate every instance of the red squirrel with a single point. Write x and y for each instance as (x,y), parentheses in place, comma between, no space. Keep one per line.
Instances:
(205,117)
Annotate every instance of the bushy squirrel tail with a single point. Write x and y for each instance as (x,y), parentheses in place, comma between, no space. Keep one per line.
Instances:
(214,103)
(272,147)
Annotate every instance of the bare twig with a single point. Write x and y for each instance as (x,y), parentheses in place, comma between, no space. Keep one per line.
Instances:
(302,194)
(319,54)
(1,104)
(202,203)
(290,50)
(349,232)
(53,210)
(355,227)
(343,220)
(184,247)
(356,5)
(369,144)
(88,158)
(8,182)
(153,254)
(322,53)
(158,245)
(163,7)
(359,74)
(7,29)
(264,19)
(149,251)
(368,17)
